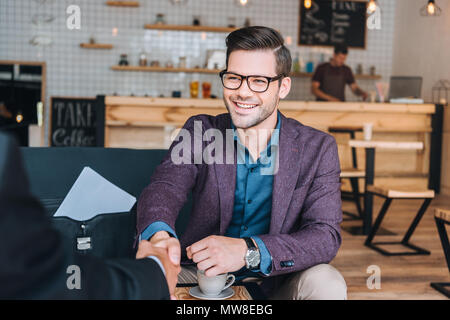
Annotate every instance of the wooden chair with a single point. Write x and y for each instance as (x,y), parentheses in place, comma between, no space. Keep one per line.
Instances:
(352,173)
(370,148)
(442,217)
(398,193)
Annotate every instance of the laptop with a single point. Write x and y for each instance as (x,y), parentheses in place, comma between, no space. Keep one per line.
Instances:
(405,88)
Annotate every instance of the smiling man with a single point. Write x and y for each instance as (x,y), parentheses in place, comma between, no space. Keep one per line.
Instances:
(280,228)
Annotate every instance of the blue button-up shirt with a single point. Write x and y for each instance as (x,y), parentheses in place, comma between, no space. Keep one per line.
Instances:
(253,196)
(252,199)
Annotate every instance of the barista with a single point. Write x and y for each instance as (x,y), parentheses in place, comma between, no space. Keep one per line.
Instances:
(330,78)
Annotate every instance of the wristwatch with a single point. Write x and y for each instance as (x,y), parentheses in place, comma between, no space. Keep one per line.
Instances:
(252,257)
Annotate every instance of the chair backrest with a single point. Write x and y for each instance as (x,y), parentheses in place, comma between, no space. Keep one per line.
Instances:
(53,171)
(393,145)
(442,214)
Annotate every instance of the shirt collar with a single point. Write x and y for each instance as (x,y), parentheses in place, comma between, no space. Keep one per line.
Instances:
(274,139)
(275,135)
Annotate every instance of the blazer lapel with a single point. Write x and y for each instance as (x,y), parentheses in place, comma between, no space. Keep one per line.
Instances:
(289,163)
(226,178)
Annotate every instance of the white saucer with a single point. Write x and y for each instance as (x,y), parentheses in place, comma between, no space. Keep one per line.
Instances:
(197,293)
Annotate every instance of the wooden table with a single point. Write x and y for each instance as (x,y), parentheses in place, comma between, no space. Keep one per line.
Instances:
(370,147)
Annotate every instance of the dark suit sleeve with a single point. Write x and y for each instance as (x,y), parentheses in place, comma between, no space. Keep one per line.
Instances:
(34,258)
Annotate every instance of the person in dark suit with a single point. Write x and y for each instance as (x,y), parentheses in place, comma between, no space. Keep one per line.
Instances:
(37,263)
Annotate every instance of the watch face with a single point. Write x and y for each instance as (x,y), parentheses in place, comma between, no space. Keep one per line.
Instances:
(253,258)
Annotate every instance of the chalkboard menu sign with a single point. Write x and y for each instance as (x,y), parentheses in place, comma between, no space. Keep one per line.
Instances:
(329,22)
(74,122)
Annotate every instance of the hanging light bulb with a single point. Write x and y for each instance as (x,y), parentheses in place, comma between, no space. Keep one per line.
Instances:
(243,3)
(430,9)
(371,7)
(19,117)
(307,4)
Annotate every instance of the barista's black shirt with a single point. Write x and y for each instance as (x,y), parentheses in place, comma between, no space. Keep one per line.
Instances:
(333,79)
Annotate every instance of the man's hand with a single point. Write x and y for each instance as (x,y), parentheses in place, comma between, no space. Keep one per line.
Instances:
(332,99)
(315,90)
(358,91)
(217,254)
(364,96)
(172,270)
(162,239)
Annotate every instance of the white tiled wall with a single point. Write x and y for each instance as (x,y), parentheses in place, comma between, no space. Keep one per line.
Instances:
(72,71)
(430,60)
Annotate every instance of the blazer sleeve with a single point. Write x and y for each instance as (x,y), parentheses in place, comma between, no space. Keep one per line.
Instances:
(34,257)
(173,179)
(317,239)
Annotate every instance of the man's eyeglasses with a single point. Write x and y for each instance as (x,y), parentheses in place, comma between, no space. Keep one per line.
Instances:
(233,81)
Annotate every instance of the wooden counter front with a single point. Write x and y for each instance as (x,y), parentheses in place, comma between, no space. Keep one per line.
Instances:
(138,122)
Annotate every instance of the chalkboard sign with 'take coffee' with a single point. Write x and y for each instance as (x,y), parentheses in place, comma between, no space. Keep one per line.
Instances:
(74,122)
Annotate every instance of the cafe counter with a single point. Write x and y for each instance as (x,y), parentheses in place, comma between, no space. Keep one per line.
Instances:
(142,122)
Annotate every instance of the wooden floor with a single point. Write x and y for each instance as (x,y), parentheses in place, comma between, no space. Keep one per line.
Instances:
(402,277)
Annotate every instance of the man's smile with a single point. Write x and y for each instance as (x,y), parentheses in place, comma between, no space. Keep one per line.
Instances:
(244,107)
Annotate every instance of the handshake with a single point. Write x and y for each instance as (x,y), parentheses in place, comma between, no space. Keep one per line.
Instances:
(213,254)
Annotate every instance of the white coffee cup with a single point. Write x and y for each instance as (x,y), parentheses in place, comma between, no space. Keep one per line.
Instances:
(213,286)
(367,130)
(372,96)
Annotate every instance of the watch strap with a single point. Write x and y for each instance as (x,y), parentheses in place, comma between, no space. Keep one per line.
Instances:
(250,243)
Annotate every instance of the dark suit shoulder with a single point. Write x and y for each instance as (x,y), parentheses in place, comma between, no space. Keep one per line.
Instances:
(7,145)
(12,176)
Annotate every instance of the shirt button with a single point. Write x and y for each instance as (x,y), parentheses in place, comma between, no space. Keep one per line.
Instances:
(249,201)
(245,228)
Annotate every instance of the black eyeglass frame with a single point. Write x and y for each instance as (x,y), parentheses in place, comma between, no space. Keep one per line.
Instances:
(269,79)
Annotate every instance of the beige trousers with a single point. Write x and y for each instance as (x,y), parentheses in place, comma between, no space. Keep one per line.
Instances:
(320,282)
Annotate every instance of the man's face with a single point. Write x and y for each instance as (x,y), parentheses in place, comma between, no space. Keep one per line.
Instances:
(339,59)
(247,108)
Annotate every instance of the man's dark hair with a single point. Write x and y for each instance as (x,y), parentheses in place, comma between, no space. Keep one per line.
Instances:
(261,38)
(340,48)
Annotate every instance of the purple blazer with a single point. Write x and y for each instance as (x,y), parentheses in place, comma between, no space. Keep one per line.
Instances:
(306,199)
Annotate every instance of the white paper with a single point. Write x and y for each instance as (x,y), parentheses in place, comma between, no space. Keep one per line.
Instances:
(91,194)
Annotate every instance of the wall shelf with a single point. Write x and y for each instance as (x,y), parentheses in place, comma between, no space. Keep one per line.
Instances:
(96,46)
(216,71)
(368,76)
(188,28)
(164,69)
(357,76)
(122,3)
